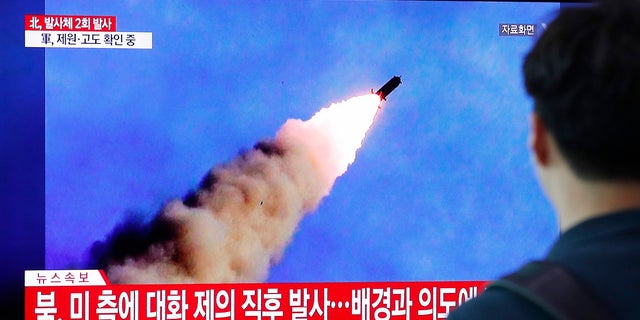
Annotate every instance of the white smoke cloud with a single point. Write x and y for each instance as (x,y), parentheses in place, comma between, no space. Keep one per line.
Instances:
(245,212)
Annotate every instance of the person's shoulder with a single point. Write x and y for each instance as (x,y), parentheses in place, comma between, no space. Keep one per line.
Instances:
(498,303)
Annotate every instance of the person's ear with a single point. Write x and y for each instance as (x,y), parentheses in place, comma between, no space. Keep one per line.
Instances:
(539,140)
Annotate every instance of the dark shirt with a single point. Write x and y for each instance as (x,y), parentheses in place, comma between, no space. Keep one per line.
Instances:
(603,253)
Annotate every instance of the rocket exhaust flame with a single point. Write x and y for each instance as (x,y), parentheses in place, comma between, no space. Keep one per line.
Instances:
(244,213)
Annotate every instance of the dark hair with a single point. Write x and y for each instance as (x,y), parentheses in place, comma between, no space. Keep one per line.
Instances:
(584,77)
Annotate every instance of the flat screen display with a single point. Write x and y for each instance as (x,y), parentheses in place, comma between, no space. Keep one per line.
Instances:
(441,188)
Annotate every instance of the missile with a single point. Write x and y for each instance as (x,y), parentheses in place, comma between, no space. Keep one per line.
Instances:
(388,87)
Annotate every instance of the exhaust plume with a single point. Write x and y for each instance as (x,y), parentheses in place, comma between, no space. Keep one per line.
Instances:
(244,213)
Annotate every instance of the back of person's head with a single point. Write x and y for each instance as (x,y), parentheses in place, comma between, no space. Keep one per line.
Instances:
(584,77)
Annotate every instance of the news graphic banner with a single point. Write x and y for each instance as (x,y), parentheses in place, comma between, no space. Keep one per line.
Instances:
(87,294)
(67,31)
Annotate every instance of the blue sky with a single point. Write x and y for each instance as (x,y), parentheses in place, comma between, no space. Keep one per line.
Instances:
(442,189)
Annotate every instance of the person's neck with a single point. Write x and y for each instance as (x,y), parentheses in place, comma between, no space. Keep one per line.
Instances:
(584,200)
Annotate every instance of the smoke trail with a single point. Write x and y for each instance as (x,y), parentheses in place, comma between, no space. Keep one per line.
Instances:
(244,213)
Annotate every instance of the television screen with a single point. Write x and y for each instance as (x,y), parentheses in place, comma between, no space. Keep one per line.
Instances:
(199,154)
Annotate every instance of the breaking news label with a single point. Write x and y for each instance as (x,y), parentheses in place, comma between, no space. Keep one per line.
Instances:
(99,32)
(87,294)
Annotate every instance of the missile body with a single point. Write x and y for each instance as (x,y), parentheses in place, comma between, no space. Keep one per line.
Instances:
(388,87)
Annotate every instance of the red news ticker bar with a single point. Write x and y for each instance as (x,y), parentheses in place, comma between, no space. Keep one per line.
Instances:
(308,301)
(39,22)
